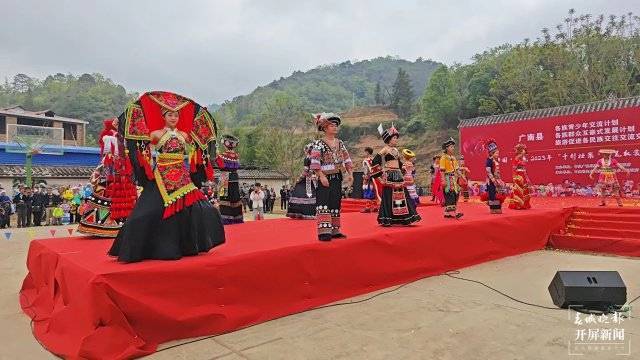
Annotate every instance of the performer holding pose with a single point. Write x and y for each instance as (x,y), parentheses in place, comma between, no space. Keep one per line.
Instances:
(450,170)
(521,198)
(608,180)
(437,193)
(494,182)
(410,175)
(172,217)
(302,203)
(229,191)
(329,158)
(396,207)
(114,193)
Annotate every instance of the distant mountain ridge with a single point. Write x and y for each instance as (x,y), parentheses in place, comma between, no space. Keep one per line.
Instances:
(335,87)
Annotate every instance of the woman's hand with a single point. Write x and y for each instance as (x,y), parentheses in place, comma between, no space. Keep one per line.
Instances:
(323,180)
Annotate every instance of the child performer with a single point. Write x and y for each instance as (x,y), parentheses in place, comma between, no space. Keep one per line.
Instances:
(521,198)
(410,175)
(494,182)
(450,170)
(608,180)
(437,194)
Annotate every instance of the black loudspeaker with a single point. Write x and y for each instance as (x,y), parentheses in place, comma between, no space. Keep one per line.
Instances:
(601,290)
(357,185)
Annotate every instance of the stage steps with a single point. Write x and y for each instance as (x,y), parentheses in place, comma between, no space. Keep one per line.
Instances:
(613,230)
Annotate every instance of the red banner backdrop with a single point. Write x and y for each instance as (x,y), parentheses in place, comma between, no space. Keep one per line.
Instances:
(559,148)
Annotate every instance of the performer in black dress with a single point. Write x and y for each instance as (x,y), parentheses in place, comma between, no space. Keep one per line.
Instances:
(329,158)
(172,218)
(229,190)
(495,185)
(396,207)
(302,202)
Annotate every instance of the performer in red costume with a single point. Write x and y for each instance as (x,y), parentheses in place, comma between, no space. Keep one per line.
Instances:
(521,198)
(114,193)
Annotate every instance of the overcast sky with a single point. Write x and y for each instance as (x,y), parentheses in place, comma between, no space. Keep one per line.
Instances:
(215,50)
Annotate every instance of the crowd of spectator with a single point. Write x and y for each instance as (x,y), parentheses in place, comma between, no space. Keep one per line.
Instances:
(41,204)
(268,202)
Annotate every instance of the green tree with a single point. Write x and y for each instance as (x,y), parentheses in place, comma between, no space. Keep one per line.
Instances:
(378,96)
(282,134)
(402,94)
(438,104)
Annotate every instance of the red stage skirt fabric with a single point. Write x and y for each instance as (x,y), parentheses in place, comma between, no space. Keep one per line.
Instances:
(84,304)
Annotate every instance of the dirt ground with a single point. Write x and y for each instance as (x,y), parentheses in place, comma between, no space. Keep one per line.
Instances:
(434,318)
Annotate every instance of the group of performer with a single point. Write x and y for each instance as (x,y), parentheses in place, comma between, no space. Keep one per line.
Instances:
(165,144)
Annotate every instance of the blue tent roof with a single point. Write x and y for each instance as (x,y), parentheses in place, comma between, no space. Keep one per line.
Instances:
(71,156)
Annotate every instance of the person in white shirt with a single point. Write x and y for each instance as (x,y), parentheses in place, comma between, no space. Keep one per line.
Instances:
(257,202)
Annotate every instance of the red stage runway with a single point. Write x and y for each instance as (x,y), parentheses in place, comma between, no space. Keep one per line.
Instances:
(85,304)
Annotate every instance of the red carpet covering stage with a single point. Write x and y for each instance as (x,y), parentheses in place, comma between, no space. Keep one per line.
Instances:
(85,304)
(357,205)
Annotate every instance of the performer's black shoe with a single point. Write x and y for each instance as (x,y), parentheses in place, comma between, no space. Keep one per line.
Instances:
(459,215)
(448,216)
(602,204)
(324,237)
(339,236)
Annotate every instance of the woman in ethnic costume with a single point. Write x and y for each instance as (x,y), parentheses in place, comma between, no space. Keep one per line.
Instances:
(521,198)
(450,169)
(463,180)
(329,159)
(608,180)
(370,186)
(396,206)
(410,175)
(302,202)
(114,193)
(495,185)
(437,191)
(229,191)
(169,140)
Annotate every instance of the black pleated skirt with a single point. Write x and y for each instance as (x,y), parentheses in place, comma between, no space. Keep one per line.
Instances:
(145,235)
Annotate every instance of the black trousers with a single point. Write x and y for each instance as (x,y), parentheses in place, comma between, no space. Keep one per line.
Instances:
(37,218)
(283,203)
(494,204)
(328,201)
(451,200)
(23,218)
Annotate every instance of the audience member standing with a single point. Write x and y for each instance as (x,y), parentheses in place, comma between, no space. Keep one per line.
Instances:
(38,205)
(20,201)
(257,200)
(51,202)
